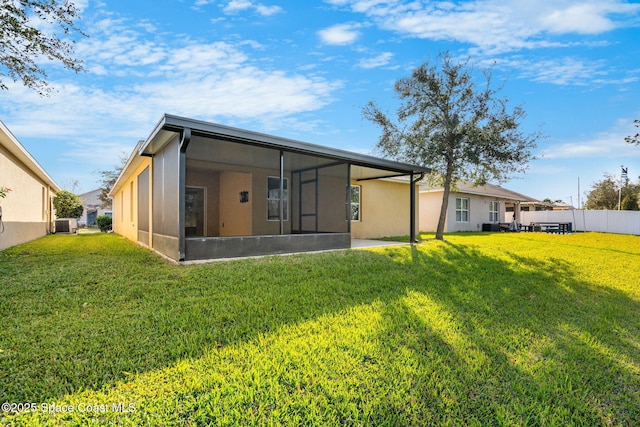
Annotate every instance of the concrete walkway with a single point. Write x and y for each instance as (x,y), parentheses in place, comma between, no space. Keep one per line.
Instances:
(366,243)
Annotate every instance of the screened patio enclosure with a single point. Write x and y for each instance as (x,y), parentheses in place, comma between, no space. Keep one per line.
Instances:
(242,186)
(220,192)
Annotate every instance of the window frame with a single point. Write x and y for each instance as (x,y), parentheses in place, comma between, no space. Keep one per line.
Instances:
(460,209)
(494,214)
(277,199)
(358,203)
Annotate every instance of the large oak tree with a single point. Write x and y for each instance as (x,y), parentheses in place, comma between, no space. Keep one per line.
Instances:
(456,124)
(32,32)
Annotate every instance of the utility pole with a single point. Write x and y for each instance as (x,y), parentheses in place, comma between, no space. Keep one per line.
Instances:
(623,177)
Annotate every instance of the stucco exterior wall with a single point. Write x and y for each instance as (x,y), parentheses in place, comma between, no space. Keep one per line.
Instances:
(431,202)
(27,211)
(385,210)
(125,203)
(207,175)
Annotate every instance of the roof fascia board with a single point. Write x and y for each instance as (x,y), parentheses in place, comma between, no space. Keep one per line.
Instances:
(177,124)
(511,196)
(21,153)
(133,159)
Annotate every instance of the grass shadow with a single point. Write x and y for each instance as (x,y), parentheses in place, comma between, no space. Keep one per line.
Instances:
(442,333)
(559,349)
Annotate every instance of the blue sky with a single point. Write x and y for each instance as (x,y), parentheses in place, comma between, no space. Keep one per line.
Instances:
(304,70)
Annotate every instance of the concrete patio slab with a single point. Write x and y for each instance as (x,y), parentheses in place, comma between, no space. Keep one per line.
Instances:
(367,243)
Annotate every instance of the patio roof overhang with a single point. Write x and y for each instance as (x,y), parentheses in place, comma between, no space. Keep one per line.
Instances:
(365,166)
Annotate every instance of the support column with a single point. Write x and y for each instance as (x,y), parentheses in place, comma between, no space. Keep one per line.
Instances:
(348,201)
(281,204)
(182,182)
(412,209)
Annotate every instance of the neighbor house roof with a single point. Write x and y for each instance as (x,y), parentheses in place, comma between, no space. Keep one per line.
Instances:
(11,143)
(560,206)
(489,190)
(91,198)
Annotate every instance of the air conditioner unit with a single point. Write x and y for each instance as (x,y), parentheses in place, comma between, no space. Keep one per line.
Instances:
(66,225)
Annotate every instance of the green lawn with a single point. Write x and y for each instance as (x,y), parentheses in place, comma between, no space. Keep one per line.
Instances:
(483,329)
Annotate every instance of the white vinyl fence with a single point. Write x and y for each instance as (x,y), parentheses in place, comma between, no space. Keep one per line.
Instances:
(621,222)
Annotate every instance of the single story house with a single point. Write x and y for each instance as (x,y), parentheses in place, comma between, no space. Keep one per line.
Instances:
(545,206)
(26,213)
(195,190)
(93,208)
(470,207)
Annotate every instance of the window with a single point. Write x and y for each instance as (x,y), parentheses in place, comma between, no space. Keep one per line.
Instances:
(195,211)
(44,204)
(462,209)
(131,201)
(273,199)
(355,202)
(493,211)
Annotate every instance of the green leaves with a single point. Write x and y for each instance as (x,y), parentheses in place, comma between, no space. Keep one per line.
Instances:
(607,193)
(461,130)
(635,139)
(67,205)
(485,329)
(24,44)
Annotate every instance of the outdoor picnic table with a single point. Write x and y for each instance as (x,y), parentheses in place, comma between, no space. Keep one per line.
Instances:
(551,227)
(525,227)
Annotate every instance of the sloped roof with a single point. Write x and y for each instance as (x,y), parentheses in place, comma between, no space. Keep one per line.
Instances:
(91,198)
(170,125)
(11,143)
(487,190)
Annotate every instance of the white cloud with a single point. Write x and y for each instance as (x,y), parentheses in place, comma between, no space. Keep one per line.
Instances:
(579,18)
(593,17)
(340,34)
(377,61)
(97,113)
(267,10)
(558,71)
(495,25)
(609,144)
(115,45)
(236,6)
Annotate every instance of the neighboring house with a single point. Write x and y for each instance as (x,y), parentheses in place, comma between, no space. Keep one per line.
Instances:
(197,190)
(470,207)
(27,211)
(92,208)
(545,206)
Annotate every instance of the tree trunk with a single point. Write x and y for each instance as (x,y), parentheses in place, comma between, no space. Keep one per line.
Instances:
(445,202)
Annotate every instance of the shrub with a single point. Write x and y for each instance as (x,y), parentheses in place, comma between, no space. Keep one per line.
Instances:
(104,222)
(67,205)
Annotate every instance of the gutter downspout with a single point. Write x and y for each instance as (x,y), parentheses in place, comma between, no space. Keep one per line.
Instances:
(182,180)
(412,208)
